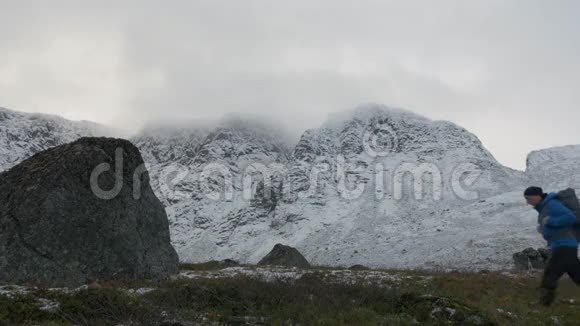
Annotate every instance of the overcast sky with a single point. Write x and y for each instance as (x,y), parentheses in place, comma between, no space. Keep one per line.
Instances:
(509,71)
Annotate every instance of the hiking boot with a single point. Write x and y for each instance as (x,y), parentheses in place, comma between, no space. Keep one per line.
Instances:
(547,297)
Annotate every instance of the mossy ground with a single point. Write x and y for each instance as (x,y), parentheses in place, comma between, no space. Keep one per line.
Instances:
(447,298)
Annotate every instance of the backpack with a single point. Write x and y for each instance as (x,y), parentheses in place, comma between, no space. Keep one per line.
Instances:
(569,199)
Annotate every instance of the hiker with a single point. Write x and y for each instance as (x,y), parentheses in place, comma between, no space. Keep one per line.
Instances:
(556,222)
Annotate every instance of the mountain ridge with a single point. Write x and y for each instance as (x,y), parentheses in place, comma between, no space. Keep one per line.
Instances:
(320,218)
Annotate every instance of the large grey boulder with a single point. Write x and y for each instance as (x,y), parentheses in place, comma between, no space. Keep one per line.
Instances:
(282,255)
(65,219)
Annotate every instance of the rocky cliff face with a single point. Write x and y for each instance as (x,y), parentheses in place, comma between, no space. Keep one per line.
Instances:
(63,224)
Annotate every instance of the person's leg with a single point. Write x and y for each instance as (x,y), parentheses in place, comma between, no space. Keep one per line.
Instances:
(554,270)
(574,267)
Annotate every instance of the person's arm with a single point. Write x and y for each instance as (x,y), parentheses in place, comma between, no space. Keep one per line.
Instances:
(559,215)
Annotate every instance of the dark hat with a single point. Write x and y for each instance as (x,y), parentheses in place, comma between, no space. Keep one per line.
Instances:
(533,191)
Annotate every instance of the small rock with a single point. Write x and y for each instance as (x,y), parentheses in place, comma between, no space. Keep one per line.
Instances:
(529,258)
(545,253)
(230,263)
(358,267)
(282,255)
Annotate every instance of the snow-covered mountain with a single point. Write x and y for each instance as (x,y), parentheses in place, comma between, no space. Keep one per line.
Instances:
(25,134)
(178,156)
(376,186)
(316,207)
(555,168)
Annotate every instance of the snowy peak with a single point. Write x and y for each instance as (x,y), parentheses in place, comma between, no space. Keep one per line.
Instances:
(165,145)
(403,131)
(555,168)
(229,145)
(229,140)
(368,112)
(7,114)
(376,134)
(25,134)
(232,144)
(553,155)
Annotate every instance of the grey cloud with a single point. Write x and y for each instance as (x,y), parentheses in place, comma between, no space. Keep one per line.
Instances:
(507,71)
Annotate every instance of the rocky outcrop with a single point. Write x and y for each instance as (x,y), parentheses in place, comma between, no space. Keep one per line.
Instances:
(530,258)
(63,222)
(545,253)
(282,255)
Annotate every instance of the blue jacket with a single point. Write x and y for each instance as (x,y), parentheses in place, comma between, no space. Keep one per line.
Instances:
(560,218)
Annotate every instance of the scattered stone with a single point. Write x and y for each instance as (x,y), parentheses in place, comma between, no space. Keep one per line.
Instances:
(140,291)
(446,310)
(48,305)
